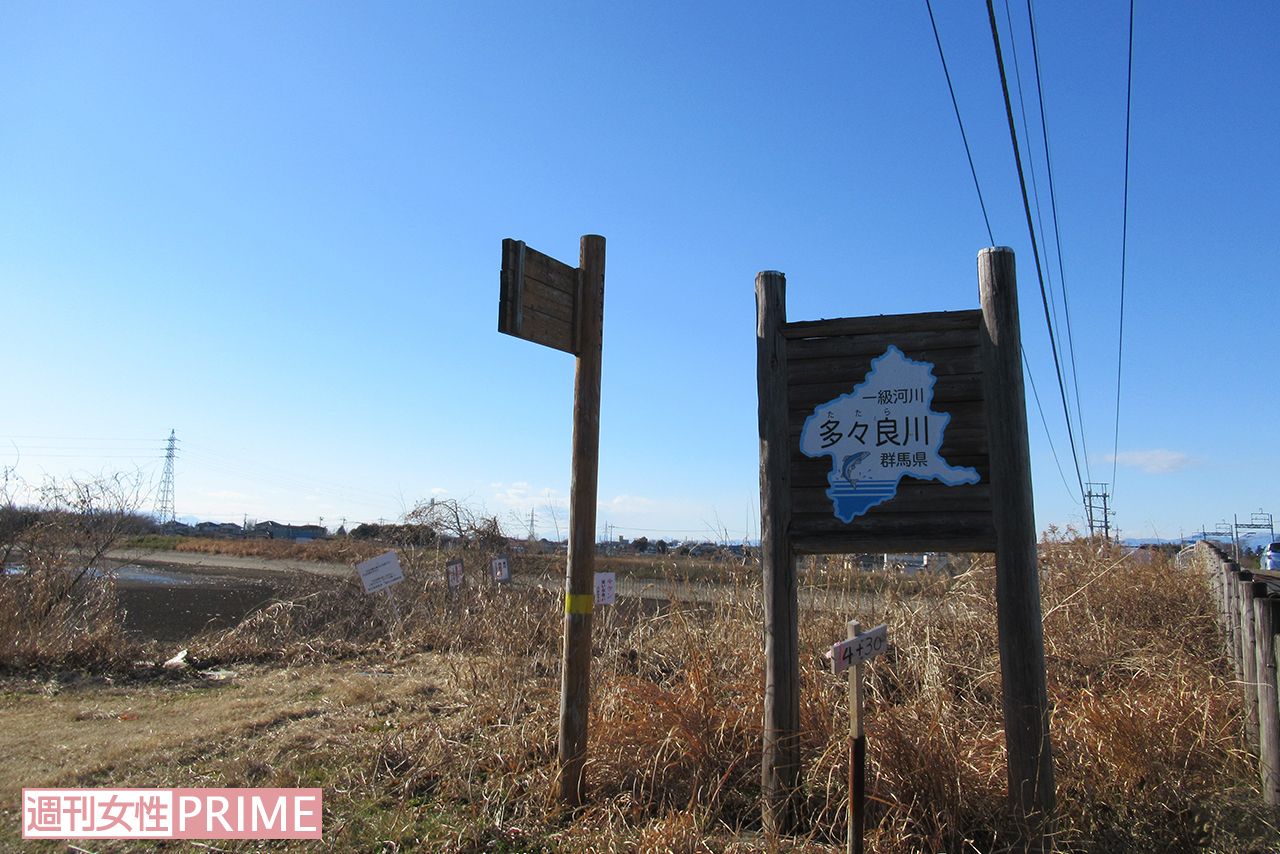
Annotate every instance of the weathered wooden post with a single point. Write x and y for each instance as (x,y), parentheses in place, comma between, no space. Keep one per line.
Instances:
(780,762)
(548,302)
(575,692)
(1026,702)
(1248,658)
(1233,618)
(1264,626)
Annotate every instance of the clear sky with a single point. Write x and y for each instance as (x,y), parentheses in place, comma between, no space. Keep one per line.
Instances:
(276,228)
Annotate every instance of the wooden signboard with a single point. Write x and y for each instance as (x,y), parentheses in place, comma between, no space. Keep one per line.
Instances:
(828,359)
(538,299)
(548,302)
(900,433)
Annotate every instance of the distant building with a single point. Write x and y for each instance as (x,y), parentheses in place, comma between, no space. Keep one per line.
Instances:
(297,533)
(218,529)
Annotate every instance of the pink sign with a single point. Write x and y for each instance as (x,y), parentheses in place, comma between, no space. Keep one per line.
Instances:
(171,813)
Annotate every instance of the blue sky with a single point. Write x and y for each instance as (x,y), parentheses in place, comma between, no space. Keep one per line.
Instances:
(276,228)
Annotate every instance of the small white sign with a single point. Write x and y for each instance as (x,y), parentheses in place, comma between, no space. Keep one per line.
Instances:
(379,573)
(855,650)
(606,588)
(501,568)
(453,573)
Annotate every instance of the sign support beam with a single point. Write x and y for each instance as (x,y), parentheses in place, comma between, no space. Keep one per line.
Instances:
(780,762)
(1026,703)
(575,695)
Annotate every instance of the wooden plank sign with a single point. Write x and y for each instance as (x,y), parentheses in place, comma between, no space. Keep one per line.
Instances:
(379,573)
(855,650)
(887,434)
(539,298)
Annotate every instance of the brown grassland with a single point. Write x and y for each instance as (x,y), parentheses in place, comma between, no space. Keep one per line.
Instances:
(436,730)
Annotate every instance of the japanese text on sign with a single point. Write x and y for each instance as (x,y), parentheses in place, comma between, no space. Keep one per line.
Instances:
(606,588)
(884,429)
(380,572)
(501,569)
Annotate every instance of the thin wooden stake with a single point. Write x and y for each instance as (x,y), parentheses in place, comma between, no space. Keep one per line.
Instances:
(857,753)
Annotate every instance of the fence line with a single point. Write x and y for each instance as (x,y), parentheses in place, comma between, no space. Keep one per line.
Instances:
(1249,614)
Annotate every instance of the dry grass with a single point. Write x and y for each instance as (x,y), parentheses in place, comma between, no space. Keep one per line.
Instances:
(1146,723)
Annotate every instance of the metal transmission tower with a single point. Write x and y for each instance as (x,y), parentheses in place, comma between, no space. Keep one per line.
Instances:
(1095,504)
(164,506)
(1259,521)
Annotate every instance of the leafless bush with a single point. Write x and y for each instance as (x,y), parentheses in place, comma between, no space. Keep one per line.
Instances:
(58,606)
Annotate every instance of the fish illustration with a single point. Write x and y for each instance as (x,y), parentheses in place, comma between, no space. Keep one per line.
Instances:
(850,463)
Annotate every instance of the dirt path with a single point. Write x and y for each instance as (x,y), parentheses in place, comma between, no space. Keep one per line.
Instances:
(228,564)
(191,731)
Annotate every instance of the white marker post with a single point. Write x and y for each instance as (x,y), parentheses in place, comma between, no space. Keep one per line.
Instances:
(854,653)
(500,569)
(606,588)
(453,573)
(381,573)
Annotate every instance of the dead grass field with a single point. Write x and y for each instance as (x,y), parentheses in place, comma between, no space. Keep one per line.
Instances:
(437,732)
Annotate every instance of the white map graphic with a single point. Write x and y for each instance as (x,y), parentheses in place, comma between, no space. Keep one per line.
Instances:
(882,431)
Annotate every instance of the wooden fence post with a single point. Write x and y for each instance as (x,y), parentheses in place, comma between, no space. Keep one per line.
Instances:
(780,762)
(1248,658)
(1026,702)
(1232,575)
(1264,614)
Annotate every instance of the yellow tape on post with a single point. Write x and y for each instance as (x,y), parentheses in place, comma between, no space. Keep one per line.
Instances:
(579,603)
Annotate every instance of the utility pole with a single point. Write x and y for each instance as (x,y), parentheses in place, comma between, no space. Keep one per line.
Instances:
(1096,507)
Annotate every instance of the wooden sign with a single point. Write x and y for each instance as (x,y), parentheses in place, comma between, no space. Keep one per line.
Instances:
(900,433)
(539,298)
(548,302)
(380,572)
(887,426)
(861,647)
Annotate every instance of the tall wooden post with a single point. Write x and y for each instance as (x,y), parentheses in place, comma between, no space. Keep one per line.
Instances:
(1264,625)
(1026,703)
(576,672)
(780,765)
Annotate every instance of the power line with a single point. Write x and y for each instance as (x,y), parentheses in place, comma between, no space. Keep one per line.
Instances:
(1035,192)
(955,105)
(1124,245)
(1025,364)
(1044,421)
(1057,235)
(1035,250)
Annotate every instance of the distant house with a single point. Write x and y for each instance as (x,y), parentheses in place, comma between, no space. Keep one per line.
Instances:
(218,529)
(297,533)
